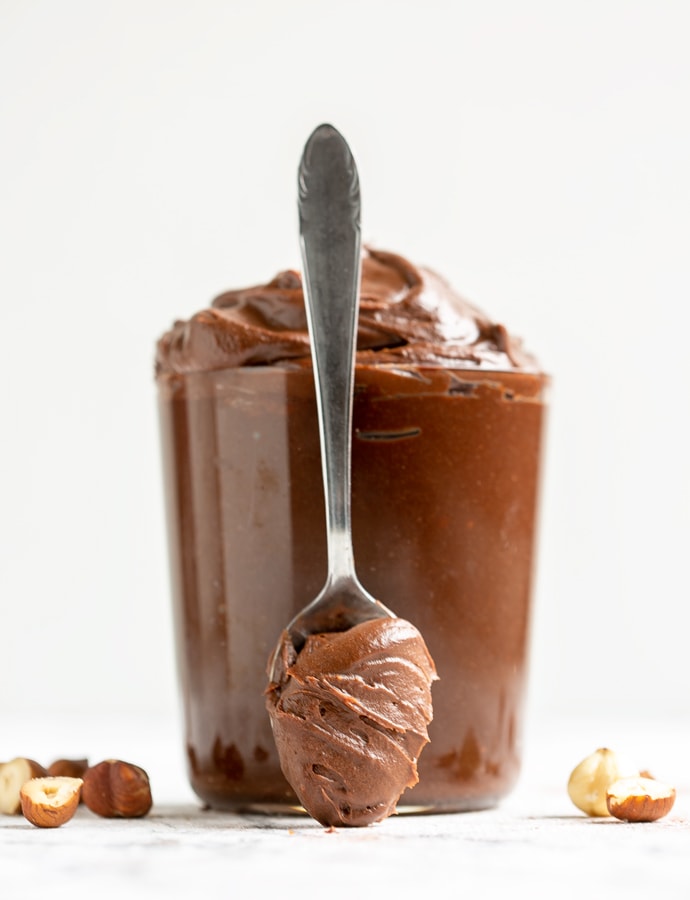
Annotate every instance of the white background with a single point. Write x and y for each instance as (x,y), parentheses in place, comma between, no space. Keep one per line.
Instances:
(536,153)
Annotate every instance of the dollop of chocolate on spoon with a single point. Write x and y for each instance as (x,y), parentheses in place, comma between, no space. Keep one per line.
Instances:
(350,713)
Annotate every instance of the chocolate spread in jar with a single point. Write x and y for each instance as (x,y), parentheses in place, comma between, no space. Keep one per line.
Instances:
(447,432)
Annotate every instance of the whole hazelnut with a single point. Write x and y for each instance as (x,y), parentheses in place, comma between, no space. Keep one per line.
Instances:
(68,768)
(590,780)
(117,789)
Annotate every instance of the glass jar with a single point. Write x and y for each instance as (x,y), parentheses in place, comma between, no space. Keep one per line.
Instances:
(445,474)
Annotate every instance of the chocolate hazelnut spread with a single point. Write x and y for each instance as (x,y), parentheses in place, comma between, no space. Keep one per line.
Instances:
(407,315)
(350,713)
(447,421)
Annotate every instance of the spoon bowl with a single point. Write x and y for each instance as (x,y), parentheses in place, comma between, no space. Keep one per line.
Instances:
(338,607)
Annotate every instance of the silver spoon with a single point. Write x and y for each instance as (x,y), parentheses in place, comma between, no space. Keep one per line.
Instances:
(330,237)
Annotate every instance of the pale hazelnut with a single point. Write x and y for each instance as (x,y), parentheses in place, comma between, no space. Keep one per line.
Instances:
(590,780)
(639,799)
(51,801)
(13,775)
(114,788)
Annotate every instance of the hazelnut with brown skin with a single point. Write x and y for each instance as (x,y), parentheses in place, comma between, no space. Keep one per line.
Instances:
(640,799)
(68,768)
(117,789)
(51,801)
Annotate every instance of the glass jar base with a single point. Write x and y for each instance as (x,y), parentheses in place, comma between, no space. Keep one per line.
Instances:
(469,804)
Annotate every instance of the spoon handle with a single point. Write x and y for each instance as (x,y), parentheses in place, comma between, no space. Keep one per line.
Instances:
(330,237)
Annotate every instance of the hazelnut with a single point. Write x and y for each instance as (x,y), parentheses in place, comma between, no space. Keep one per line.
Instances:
(13,775)
(591,778)
(639,799)
(51,801)
(114,788)
(68,768)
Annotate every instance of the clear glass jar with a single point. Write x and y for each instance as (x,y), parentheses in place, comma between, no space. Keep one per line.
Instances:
(445,483)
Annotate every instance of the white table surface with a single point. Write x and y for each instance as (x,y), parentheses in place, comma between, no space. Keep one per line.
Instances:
(536,843)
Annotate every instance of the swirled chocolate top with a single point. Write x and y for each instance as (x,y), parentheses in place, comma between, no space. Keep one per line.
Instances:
(408,316)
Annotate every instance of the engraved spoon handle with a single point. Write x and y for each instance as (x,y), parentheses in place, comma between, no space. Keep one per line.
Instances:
(330,238)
